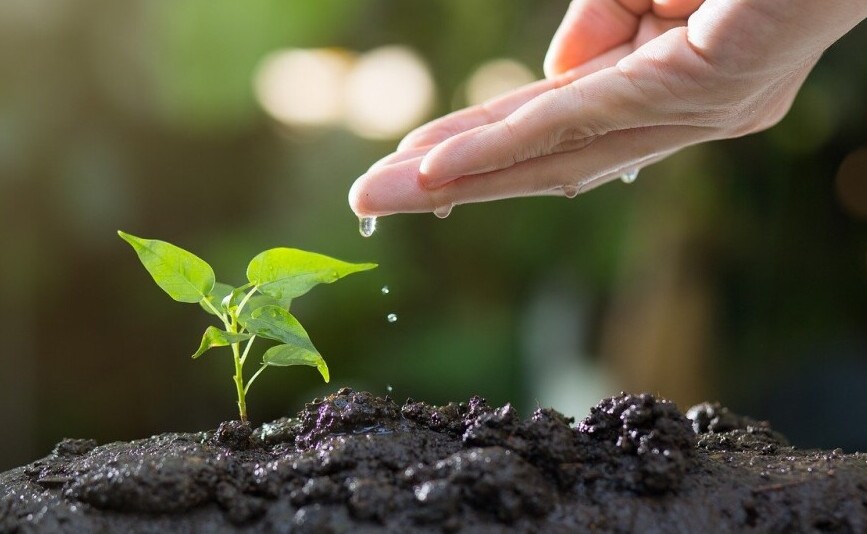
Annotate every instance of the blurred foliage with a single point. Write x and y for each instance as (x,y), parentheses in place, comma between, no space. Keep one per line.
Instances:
(140,115)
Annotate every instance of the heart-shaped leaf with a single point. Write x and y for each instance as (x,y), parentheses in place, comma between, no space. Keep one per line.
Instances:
(183,275)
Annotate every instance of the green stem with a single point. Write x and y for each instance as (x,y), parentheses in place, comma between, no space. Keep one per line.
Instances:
(256,374)
(232,326)
(219,314)
(245,299)
(239,382)
(247,351)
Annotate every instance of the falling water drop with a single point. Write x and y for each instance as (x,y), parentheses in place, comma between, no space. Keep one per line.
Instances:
(391,317)
(385,290)
(571,191)
(389,388)
(366,226)
(443,211)
(629,177)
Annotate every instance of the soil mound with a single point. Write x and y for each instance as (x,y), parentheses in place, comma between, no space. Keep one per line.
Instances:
(353,462)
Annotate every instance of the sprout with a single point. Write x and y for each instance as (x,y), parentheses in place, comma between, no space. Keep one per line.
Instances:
(259,308)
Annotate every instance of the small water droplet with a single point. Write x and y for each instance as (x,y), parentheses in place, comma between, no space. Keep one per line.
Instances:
(391,317)
(629,177)
(571,191)
(385,290)
(389,388)
(366,226)
(443,211)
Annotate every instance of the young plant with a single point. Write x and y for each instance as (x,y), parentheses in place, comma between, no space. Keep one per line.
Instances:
(259,308)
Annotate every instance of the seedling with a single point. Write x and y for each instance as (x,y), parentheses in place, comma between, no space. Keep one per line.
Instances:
(259,308)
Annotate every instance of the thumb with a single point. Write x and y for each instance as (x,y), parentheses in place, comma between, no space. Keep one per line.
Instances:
(589,28)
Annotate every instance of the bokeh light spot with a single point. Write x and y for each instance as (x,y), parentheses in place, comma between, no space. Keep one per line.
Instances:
(304,87)
(389,92)
(496,77)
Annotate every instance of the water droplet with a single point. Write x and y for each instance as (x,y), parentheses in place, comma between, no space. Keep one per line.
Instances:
(629,177)
(571,191)
(391,317)
(385,290)
(443,211)
(366,226)
(389,388)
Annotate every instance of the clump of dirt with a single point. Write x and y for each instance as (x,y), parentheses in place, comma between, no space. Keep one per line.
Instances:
(355,462)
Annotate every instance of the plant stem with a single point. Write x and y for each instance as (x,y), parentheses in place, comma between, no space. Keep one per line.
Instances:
(247,351)
(245,299)
(239,381)
(219,314)
(232,326)
(256,374)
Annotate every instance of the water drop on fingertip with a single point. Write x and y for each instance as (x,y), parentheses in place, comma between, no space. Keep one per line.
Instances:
(366,226)
(443,211)
(629,177)
(391,317)
(570,191)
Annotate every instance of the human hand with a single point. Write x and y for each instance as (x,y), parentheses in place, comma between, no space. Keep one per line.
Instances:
(630,82)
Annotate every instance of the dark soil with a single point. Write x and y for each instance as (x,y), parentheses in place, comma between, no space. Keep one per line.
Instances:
(357,463)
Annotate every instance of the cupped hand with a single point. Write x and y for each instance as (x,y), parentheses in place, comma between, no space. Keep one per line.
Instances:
(629,82)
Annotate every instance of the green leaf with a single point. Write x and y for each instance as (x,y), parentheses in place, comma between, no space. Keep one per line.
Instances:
(286,273)
(214,337)
(256,302)
(216,296)
(181,274)
(285,355)
(273,322)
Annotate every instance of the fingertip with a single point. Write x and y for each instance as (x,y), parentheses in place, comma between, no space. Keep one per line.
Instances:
(357,197)
(675,9)
(432,173)
(390,189)
(407,142)
(549,65)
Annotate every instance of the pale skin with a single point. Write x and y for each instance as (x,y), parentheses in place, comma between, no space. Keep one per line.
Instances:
(628,82)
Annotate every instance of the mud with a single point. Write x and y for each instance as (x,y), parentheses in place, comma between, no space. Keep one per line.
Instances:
(353,462)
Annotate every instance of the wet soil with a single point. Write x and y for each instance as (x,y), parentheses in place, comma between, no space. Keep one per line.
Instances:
(353,462)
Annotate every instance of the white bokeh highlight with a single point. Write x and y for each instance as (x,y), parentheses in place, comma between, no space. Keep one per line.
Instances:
(496,77)
(304,88)
(388,93)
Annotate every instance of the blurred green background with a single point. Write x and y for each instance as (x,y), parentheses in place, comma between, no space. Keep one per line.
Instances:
(734,271)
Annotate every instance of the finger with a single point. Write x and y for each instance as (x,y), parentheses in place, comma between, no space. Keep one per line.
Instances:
(652,26)
(676,9)
(391,189)
(501,106)
(552,122)
(570,191)
(590,28)
(395,188)
(403,155)
(465,119)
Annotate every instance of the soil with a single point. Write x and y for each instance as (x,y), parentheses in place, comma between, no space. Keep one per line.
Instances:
(353,462)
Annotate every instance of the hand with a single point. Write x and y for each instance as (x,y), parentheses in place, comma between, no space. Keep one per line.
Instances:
(629,83)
